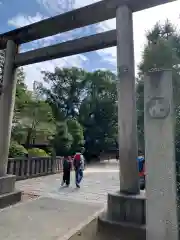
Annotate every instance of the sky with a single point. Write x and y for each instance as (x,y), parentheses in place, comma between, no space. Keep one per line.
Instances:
(18,13)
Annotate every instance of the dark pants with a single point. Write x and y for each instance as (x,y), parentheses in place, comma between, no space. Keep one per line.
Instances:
(79,176)
(66,176)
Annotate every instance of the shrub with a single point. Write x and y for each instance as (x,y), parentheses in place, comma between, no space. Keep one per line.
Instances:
(17,150)
(37,152)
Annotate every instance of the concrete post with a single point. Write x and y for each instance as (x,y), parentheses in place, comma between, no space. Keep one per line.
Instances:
(7,100)
(161,206)
(127,121)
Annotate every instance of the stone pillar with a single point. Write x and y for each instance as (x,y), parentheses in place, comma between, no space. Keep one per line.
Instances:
(127,121)
(7,100)
(161,206)
(8,195)
(125,216)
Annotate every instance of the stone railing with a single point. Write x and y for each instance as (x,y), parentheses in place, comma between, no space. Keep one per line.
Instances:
(25,168)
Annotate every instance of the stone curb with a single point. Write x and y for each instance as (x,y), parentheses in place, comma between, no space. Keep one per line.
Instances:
(81,225)
(19,204)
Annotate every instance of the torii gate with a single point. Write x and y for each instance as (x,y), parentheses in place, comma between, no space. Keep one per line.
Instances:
(126,209)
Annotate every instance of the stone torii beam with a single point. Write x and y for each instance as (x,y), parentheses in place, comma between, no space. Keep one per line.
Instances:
(69,48)
(78,18)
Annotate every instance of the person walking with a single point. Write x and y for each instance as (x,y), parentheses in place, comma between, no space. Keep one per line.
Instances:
(79,167)
(67,166)
(141,168)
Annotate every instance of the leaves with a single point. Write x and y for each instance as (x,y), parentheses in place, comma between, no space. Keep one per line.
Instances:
(2,59)
(62,113)
(63,140)
(33,121)
(161,51)
(67,87)
(75,96)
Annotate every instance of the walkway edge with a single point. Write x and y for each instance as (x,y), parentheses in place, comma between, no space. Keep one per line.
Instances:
(80,227)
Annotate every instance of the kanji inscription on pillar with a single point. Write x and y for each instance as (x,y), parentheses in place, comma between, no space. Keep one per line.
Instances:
(158,107)
(122,70)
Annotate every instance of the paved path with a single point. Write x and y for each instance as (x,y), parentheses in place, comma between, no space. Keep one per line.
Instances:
(98,181)
(59,211)
(44,219)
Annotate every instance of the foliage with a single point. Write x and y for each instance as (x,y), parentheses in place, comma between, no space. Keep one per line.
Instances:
(2,57)
(68,138)
(63,140)
(98,111)
(161,51)
(75,96)
(23,96)
(76,131)
(37,152)
(17,150)
(77,109)
(34,122)
(67,87)
(80,108)
(140,112)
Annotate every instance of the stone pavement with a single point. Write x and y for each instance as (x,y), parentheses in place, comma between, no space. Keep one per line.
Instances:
(59,211)
(43,219)
(98,181)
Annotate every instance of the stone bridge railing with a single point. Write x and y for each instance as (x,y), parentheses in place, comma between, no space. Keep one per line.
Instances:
(25,168)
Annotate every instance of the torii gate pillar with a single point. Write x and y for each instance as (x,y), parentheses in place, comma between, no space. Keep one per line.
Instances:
(8,195)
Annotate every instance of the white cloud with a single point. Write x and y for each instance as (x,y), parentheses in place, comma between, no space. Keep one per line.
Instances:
(22,20)
(81,3)
(33,72)
(54,7)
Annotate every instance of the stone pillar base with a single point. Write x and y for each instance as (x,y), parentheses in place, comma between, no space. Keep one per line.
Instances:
(8,194)
(125,217)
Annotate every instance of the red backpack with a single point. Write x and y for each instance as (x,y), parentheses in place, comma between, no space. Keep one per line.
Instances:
(77,157)
(77,160)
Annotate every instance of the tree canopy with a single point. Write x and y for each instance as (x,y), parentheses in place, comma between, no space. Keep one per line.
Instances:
(161,51)
(79,108)
(86,104)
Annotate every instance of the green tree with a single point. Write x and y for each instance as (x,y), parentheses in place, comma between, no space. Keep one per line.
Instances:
(74,96)
(161,51)
(66,91)
(76,131)
(63,140)
(37,122)
(32,120)
(98,111)
(2,58)
(23,95)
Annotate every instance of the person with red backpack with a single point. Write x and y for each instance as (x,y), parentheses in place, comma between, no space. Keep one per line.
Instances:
(78,167)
